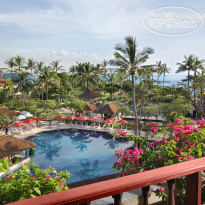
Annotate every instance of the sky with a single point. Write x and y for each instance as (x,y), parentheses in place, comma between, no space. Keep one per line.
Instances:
(87,30)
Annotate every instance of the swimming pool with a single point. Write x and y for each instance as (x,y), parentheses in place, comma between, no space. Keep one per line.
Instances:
(86,154)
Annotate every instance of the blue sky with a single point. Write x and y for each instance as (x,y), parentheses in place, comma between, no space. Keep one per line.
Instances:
(87,30)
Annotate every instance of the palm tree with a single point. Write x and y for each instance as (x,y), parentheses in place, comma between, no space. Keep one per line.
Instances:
(187,65)
(24,84)
(47,77)
(55,66)
(159,70)
(85,73)
(112,81)
(198,64)
(128,56)
(11,64)
(19,62)
(121,77)
(31,65)
(165,70)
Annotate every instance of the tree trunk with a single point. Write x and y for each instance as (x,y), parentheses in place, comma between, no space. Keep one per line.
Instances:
(188,78)
(163,80)
(46,91)
(194,85)
(22,99)
(134,104)
(120,91)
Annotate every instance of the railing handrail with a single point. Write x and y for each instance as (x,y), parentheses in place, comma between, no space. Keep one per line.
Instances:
(119,185)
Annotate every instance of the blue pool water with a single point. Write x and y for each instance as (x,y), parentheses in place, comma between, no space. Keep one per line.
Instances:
(86,154)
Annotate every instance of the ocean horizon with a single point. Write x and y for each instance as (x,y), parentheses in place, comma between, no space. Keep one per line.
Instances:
(169,80)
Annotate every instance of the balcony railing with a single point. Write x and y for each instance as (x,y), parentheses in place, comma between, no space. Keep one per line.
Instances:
(115,187)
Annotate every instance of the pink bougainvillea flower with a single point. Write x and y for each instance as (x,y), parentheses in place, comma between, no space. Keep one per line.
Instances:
(122,152)
(10,177)
(56,177)
(48,176)
(179,122)
(62,184)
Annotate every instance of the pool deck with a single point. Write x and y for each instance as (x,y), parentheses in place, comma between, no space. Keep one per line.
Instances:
(57,126)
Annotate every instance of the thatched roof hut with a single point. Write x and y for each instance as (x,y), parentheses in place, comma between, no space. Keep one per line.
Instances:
(109,109)
(2,80)
(9,146)
(89,94)
(90,107)
(8,112)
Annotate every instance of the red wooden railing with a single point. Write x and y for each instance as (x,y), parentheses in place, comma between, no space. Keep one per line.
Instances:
(115,187)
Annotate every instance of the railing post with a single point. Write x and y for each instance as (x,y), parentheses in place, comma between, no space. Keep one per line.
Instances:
(171,187)
(193,189)
(145,193)
(117,199)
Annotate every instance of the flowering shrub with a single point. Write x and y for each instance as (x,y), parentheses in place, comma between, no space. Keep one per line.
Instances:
(181,143)
(4,165)
(30,182)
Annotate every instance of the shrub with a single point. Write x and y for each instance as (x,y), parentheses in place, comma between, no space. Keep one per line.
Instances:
(178,143)
(4,165)
(30,182)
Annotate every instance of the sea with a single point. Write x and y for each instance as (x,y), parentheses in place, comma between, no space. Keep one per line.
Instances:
(169,80)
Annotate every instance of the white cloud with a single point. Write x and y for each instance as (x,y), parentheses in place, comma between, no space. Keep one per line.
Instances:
(102,18)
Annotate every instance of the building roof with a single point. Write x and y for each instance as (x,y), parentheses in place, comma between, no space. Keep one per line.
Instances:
(10,146)
(89,93)
(2,79)
(90,107)
(108,109)
(8,112)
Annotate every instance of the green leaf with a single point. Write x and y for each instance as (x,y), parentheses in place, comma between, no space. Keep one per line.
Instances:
(37,190)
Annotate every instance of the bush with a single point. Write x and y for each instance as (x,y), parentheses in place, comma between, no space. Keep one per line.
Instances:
(178,143)
(30,182)
(4,165)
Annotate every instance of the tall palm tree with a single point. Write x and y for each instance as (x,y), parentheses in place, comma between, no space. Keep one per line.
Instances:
(85,73)
(159,70)
(19,62)
(128,56)
(47,77)
(112,81)
(165,70)
(11,65)
(187,65)
(198,64)
(38,86)
(55,66)
(23,84)
(121,77)
(31,65)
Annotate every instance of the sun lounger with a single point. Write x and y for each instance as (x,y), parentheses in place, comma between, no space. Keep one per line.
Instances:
(98,126)
(92,126)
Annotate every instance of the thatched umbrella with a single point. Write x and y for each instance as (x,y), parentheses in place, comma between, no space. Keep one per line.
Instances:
(89,94)
(11,146)
(8,112)
(110,110)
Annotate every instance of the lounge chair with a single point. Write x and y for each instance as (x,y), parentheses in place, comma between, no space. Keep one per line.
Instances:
(98,126)
(92,126)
